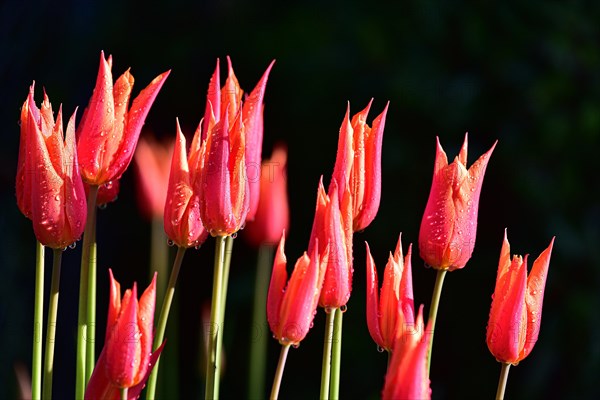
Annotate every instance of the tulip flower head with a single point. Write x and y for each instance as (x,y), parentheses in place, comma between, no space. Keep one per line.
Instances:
(332,235)
(153,162)
(449,225)
(358,164)
(126,359)
(407,376)
(272,215)
(109,129)
(231,139)
(49,187)
(391,312)
(516,313)
(182,221)
(291,309)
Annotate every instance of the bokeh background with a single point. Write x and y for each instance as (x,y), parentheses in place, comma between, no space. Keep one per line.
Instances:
(525,73)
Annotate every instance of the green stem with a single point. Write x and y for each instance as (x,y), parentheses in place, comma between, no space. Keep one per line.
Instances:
(38,315)
(164,316)
(226,265)
(327,342)
(258,343)
(51,325)
(279,371)
(124,393)
(82,319)
(502,381)
(213,368)
(90,350)
(159,255)
(435,302)
(336,354)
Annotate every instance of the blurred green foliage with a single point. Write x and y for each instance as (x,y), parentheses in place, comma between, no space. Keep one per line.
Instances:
(525,73)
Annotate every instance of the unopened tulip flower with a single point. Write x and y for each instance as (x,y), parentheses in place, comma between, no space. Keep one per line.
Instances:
(407,375)
(126,359)
(229,127)
(332,235)
(109,129)
(153,162)
(449,225)
(516,312)
(182,221)
(272,215)
(391,312)
(49,187)
(291,308)
(358,164)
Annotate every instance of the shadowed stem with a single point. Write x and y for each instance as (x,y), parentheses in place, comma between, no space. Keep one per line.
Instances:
(327,342)
(258,343)
(82,375)
(38,315)
(213,368)
(279,371)
(336,354)
(502,381)
(51,325)
(164,316)
(435,302)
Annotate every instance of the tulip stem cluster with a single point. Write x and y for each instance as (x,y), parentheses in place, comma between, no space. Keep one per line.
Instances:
(164,316)
(327,345)
(435,302)
(38,313)
(51,324)
(215,329)
(502,381)
(85,336)
(258,342)
(279,371)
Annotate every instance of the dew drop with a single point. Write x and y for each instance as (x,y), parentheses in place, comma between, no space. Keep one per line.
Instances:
(296,345)
(380,349)
(73,245)
(170,243)
(343,308)
(234,235)
(103,206)
(57,197)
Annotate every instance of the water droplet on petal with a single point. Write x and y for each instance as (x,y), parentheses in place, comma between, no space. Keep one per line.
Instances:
(170,243)
(380,349)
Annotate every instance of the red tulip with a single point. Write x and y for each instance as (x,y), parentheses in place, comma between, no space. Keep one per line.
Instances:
(109,131)
(126,359)
(182,208)
(516,314)
(152,160)
(390,313)
(358,164)
(230,126)
(449,225)
(49,187)
(291,309)
(272,216)
(332,235)
(407,376)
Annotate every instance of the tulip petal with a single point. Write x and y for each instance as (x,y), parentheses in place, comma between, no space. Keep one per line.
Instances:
(373,300)
(534,298)
(277,289)
(252,112)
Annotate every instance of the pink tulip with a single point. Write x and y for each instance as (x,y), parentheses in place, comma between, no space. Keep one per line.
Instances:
(449,225)
(516,314)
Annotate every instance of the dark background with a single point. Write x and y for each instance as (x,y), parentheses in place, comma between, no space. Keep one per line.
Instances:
(525,73)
